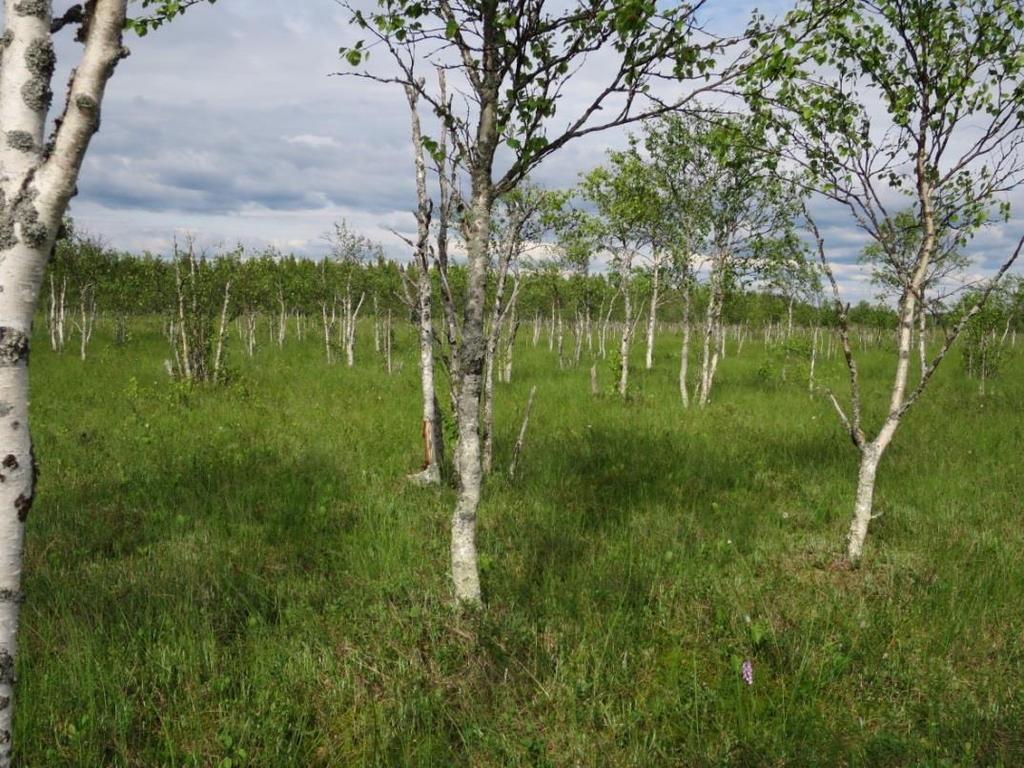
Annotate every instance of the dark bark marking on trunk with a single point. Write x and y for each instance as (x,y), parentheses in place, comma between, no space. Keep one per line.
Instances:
(23,504)
(13,346)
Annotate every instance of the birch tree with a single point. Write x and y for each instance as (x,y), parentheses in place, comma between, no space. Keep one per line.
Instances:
(677,169)
(433,436)
(513,61)
(628,210)
(38,177)
(734,214)
(893,104)
(349,250)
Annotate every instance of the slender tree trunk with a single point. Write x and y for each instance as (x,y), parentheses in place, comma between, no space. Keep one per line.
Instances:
(53,316)
(510,344)
(327,333)
(603,338)
(351,318)
(83,335)
(433,438)
(487,419)
(376,325)
(712,331)
(922,339)
(627,311)
(814,358)
(652,317)
(433,442)
(282,323)
(684,354)
(498,314)
(561,338)
(863,505)
(517,451)
(387,342)
(472,350)
(221,332)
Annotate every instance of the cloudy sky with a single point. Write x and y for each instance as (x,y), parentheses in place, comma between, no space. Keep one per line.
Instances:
(228,124)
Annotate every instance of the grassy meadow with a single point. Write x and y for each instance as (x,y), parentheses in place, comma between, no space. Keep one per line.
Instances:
(241,576)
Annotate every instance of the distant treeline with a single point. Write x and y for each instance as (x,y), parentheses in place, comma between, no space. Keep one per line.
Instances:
(84,278)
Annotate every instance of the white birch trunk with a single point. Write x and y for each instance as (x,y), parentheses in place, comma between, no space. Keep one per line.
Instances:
(652,317)
(521,440)
(814,358)
(465,572)
(36,188)
(387,343)
(863,504)
(222,331)
(627,327)
(922,339)
(684,354)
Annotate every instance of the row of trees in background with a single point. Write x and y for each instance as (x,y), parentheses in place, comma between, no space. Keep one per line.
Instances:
(273,297)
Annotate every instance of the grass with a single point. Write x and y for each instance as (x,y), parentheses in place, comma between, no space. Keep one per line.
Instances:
(241,576)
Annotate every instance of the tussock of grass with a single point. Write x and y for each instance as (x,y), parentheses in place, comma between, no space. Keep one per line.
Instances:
(241,576)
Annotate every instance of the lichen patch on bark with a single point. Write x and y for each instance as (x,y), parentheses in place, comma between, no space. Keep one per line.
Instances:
(32,8)
(13,346)
(33,231)
(21,141)
(40,60)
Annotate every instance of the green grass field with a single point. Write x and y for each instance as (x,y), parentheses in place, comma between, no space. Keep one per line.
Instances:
(242,577)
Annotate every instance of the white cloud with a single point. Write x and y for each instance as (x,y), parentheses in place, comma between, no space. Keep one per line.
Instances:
(312,140)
